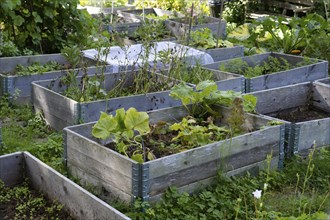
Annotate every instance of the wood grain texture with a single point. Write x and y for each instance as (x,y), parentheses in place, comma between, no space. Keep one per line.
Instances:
(80,203)
(219,54)
(315,130)
(203,162)
(59,111)
(277,99)
(202,184)
(321,96)
(99,163)
(104,190)
(12,168)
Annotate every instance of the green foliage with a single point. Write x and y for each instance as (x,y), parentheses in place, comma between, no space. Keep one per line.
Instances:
(307,36)
(204,39)
(21,202)
(36,68)
(183,72)
(272,65)
(151,31)
(121,128)
(46,26)
(23,130)
(232,198)
(205,95)
(235,11)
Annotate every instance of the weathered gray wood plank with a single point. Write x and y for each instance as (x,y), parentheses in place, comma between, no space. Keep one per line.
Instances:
(321,96)
(214,151)
(58,109)
(315,130)
(80,203)
(85,146)
(201,184)
(12,168)
(219,54)
(277,99)
(99,168)
(104,190)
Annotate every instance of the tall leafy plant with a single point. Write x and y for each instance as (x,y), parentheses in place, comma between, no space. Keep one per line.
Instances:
(45,26)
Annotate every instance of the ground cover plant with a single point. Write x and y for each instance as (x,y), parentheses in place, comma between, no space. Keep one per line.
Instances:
(300,191)
(135,137)
(204,39)
(22,130)
(183,72)
(22,202)
(272,65)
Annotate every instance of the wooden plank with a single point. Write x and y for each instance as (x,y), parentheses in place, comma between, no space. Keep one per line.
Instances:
(277,99)
(201,184)
(219,54)
(100,168)
(315,130)
(86,146)
(172,165)
(8,64)
(12,168)
(80,203)
(103,189)
(145,102)
(55,106)
(321,96)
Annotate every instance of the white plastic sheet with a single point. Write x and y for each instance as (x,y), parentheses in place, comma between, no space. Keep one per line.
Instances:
(134,56)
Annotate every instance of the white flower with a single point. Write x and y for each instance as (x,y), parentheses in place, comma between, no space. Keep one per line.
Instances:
(257,194)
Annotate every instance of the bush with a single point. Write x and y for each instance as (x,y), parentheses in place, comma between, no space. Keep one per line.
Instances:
(45,26)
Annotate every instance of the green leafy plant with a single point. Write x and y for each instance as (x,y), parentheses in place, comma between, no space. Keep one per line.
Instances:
(204,39)
(36,68)
(21,202)
(121,128)
(46,26)
(272,65)
(207,94)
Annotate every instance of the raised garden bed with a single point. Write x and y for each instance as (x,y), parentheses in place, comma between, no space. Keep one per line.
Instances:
(18,87)
(296,70)
(203,39)
(150,14)
(61,111)
(120,176)
(306,109)
(179,26)
(193,75)
(78,202)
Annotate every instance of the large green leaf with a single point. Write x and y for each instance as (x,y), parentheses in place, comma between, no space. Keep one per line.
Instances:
(240,33)
(250,102)
(183,92)
(104,126)
(138,121)
(120,118)
(205,88)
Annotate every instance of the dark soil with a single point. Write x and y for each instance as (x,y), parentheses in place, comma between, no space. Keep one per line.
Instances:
(301,114)
(26,203)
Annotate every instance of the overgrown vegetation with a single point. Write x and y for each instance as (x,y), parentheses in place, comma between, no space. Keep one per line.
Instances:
(272,65)
(135,137)
(300,191)
(21,202)
(22,130)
